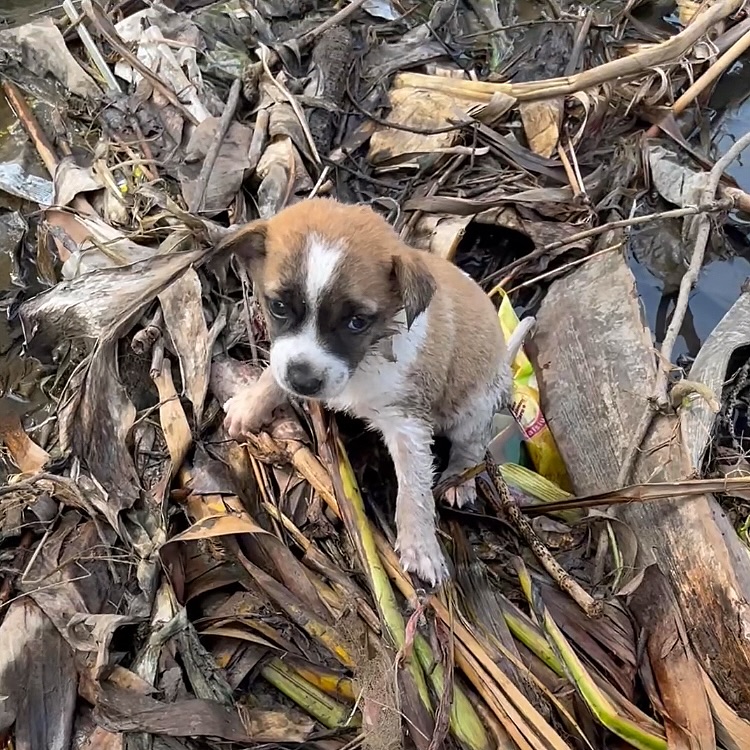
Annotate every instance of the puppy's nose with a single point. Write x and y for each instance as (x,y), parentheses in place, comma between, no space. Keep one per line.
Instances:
(303,379)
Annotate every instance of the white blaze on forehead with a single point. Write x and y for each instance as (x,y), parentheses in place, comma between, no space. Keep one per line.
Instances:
(304,345)
(323,258)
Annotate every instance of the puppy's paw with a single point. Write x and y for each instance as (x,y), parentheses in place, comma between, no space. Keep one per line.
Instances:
(463,495)
(424,558)
(248,412)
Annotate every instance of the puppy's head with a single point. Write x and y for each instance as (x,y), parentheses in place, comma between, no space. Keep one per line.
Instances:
(332,279)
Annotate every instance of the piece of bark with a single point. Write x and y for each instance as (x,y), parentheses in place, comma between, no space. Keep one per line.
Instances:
(332,57)
(596,366)
(682,700)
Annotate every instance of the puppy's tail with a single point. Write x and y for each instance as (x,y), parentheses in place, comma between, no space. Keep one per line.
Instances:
(515,342)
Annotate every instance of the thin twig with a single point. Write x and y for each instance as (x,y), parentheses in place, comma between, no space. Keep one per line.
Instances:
(213,152)
(264,53)
(709,76)
(564,268)
(659,398)
(519,25)
(26,117)
(337,18)
(676,213)
(510,509)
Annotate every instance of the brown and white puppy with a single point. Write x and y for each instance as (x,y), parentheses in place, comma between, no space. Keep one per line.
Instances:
(397,337)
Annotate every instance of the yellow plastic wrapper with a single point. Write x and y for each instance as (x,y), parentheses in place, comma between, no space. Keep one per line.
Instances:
(527,410)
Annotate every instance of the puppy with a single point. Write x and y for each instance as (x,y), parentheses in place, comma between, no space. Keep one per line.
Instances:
(397,337)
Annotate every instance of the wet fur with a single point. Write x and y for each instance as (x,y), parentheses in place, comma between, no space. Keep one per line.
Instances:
(433,361)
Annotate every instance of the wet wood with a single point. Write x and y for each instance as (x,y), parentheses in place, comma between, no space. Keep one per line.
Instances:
(595,363)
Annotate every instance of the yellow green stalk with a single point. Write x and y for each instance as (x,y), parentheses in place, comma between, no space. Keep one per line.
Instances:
(465,723)
(598,703)
(329,712)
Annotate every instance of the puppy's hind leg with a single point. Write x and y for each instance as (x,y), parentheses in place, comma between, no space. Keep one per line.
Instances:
(470,434)
(469,441)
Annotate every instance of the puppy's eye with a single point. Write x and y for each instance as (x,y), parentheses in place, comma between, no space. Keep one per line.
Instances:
(358,324)
(277,308)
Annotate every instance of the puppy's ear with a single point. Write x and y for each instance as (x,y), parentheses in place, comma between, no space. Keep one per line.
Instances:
(248,244)
(416,285)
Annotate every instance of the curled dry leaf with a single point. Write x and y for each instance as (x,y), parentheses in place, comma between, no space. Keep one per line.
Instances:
(24,452)
(541,121)
(225,179)
(676,182)
(182,305)
(440,234)
(71,180)
(39,47)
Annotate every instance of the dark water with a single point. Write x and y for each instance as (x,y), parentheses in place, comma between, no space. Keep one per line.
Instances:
(720,281)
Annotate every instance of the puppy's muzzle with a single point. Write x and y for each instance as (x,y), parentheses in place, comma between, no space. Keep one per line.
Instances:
(303,379)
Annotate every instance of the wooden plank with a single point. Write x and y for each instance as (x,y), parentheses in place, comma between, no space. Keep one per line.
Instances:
(595,363)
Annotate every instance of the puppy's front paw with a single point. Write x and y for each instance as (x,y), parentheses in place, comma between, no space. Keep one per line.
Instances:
(424,558)
(248,412)
(464,494)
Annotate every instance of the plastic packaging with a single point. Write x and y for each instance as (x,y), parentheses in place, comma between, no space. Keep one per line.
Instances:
(527,410)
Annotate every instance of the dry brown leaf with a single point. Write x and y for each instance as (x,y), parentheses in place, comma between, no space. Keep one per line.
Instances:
(225,179)
(440,234)
(683,700)
(182,305)
(283,175)
(422,110)
(174,423)
(25,453)
(732,731)
(541,121)
(218,516)
(38,694)
(72,180)
(121,710)
(40,48)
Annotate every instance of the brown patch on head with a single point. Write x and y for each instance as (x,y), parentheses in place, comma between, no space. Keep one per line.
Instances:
(376,267)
